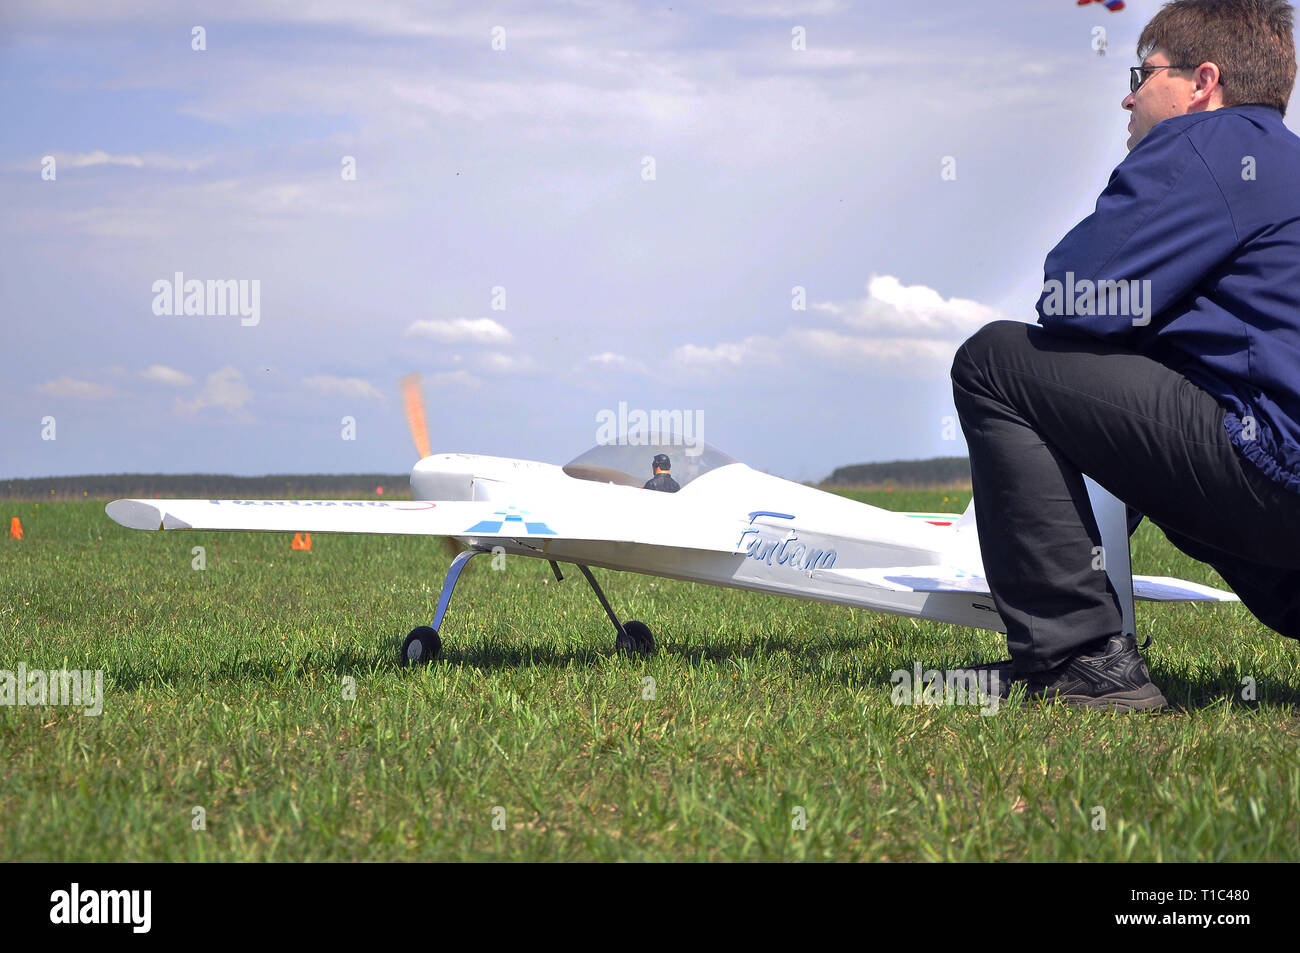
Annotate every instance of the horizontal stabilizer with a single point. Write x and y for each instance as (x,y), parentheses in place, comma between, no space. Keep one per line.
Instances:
(955,579)
(919,579)
(1166,589)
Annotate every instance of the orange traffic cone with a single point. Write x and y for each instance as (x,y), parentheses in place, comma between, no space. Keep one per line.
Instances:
(15,528)
(301,541)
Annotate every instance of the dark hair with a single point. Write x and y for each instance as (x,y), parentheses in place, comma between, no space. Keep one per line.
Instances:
(1249,40)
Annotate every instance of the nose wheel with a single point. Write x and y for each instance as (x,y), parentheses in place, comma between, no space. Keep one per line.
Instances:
(422,645)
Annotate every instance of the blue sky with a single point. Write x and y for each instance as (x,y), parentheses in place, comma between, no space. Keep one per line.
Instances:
(525,169)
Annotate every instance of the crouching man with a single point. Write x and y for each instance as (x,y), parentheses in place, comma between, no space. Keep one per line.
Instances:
(1166,367)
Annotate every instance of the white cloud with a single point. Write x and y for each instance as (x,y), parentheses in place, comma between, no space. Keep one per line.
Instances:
(475,330)
(497,363)
(162,374)
(224,388)
(907,330)
(754,349)
(894,309)
(84,160)
(353,387)
(79,390)
(609,361)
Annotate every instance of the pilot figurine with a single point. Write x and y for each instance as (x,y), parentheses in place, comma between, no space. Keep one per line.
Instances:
(662,480)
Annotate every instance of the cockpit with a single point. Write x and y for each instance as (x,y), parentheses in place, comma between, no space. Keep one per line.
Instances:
(631,464)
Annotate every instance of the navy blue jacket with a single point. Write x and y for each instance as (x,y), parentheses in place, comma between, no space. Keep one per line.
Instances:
(1206,208)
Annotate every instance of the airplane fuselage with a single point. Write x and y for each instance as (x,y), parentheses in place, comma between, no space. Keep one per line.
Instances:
(783,537)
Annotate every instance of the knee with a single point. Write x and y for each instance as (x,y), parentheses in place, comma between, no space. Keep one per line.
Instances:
(974,354)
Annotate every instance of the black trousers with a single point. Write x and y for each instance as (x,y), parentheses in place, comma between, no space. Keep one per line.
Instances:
(1039,410)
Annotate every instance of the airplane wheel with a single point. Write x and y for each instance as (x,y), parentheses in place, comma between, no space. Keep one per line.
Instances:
(422,645)
(638,641)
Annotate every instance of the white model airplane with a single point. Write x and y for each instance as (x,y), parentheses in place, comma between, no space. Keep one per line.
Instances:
(728,525)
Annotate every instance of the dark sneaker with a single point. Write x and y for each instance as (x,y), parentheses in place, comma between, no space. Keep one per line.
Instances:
(1111,674)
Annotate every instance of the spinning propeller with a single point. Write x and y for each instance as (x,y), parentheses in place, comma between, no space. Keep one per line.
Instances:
(413,401)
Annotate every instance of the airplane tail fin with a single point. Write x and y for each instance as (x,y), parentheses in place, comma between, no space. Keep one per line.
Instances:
(1112,520)
(967,520)
(965,571)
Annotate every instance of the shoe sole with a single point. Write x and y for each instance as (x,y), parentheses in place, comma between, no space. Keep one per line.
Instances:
(1145,698)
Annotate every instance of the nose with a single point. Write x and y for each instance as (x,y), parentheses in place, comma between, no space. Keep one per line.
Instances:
(1129,101)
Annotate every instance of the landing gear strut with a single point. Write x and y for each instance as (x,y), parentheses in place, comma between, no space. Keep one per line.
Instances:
(424,644)
(633,638)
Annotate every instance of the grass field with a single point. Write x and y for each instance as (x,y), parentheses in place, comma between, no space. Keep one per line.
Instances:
(224,689)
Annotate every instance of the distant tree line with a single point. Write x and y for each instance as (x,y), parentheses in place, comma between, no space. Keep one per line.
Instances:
(210,486)
(937,471)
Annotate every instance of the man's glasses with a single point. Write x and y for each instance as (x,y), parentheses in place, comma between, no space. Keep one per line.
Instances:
(1137,75)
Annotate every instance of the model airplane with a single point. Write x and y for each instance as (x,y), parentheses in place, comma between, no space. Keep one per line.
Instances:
(728,525)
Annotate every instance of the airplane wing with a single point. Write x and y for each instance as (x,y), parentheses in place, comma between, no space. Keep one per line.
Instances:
(955,579)
(478,519)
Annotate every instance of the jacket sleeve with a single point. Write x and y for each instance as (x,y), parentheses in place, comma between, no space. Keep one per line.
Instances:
(1160,227)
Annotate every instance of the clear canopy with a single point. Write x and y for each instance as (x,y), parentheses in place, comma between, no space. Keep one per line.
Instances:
(632,464)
